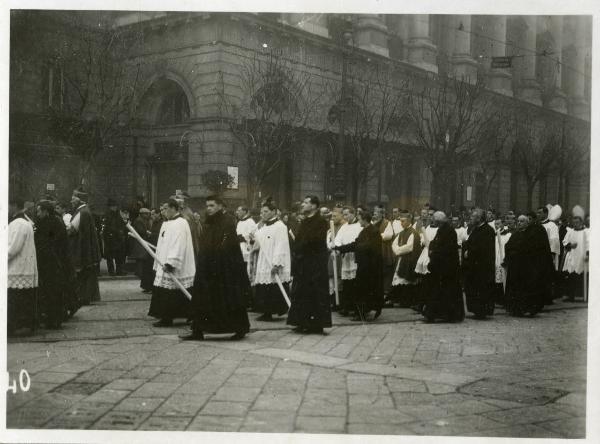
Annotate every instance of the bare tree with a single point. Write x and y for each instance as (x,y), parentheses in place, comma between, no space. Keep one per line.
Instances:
(447,116)
(273,109)
(572,155)
(99,88)
(372,106)
(535,147)
(491,148)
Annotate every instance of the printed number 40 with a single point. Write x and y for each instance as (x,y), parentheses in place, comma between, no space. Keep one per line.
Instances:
(24,382)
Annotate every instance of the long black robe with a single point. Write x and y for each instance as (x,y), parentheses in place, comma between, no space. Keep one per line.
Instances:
(445,298)
(85,253)
(310,299)
(148,273)
(369,272)
(529,270)
(479,270)
(51,252)
(221,285)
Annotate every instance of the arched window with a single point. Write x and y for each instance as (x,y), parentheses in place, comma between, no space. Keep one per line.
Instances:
(174,107)
(165,103)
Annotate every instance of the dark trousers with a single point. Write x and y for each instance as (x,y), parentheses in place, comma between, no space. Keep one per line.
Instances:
(113,260)
(574,285)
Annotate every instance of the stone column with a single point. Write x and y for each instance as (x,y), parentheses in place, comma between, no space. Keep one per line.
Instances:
(315,23)
(371,34)
(558,102)
(421,51)
(578,105)
(498,79)
(462,61)
(529,88)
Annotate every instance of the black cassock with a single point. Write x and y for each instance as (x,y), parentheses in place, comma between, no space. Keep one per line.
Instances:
(53,266)
(479,270)
(445,298)
(369,273)
(529,270)
(85,253)
(221,284)
(310,288)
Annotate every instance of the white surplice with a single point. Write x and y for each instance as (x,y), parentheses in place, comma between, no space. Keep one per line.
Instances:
(273,245)
(175,247)
(346,235)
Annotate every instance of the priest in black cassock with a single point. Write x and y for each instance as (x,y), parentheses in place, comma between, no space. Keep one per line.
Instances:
(367,250)
(529,268)
(221,286)
(52,261)
(310,311)
(445,298)
(479,266)
(84,249)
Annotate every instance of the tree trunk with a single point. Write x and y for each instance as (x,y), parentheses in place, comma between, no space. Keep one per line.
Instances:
(439,190)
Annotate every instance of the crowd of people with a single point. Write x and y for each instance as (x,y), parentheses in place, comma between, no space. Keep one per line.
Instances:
(209,272)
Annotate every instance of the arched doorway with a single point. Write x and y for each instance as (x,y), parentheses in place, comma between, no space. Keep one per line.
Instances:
(166,113)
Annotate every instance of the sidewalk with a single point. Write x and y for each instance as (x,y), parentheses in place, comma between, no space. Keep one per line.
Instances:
(516,377)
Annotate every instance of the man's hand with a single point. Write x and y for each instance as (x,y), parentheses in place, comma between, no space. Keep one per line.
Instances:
(168,268)
(276,268)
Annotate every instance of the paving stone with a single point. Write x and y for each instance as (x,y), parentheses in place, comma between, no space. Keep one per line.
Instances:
(107,395)
(224,408)
(155,390)
(139,404)
(121,420)
(97,376)
(215,423)
(284,386)
(377,415)
(74,388)
(52,377)
(304,357)
(491,388)
(182,405)
(30,417)
(527,415)
(288,402)
(373,400)
(268,421)
(320,424)
(456,425)
(124,384)
(79,416)
(143,372)
(243,380)
(405,385)
(576,399)
(516,431)
(572,428)
(243,394)
(166,423)
(410,398)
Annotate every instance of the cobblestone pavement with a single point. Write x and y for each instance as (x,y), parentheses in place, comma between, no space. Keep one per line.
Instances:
(509,377)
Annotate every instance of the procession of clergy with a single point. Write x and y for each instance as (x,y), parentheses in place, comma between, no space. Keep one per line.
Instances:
(310,263)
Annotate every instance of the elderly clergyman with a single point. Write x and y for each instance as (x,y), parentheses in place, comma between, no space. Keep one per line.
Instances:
(445,297)
(84,249)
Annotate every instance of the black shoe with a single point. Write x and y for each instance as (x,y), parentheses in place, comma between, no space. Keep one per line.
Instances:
(237,336)
(315,331)
(163,323)
(377,313)
(265,318)
(111,273)
(300,330)
(194,336)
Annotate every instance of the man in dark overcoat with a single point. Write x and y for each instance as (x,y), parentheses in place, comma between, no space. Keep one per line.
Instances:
(310,311)
(221,285)
(479,266)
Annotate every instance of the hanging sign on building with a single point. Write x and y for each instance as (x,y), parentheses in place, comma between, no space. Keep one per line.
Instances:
(50,187)
(469,194)
(233,172)
(501,62)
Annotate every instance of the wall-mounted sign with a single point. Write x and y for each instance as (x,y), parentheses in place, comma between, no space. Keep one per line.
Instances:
(469,193)
(233,172)
(501,62)
(50,187)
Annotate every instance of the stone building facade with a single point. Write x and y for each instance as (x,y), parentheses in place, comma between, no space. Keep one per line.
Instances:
(190,57)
